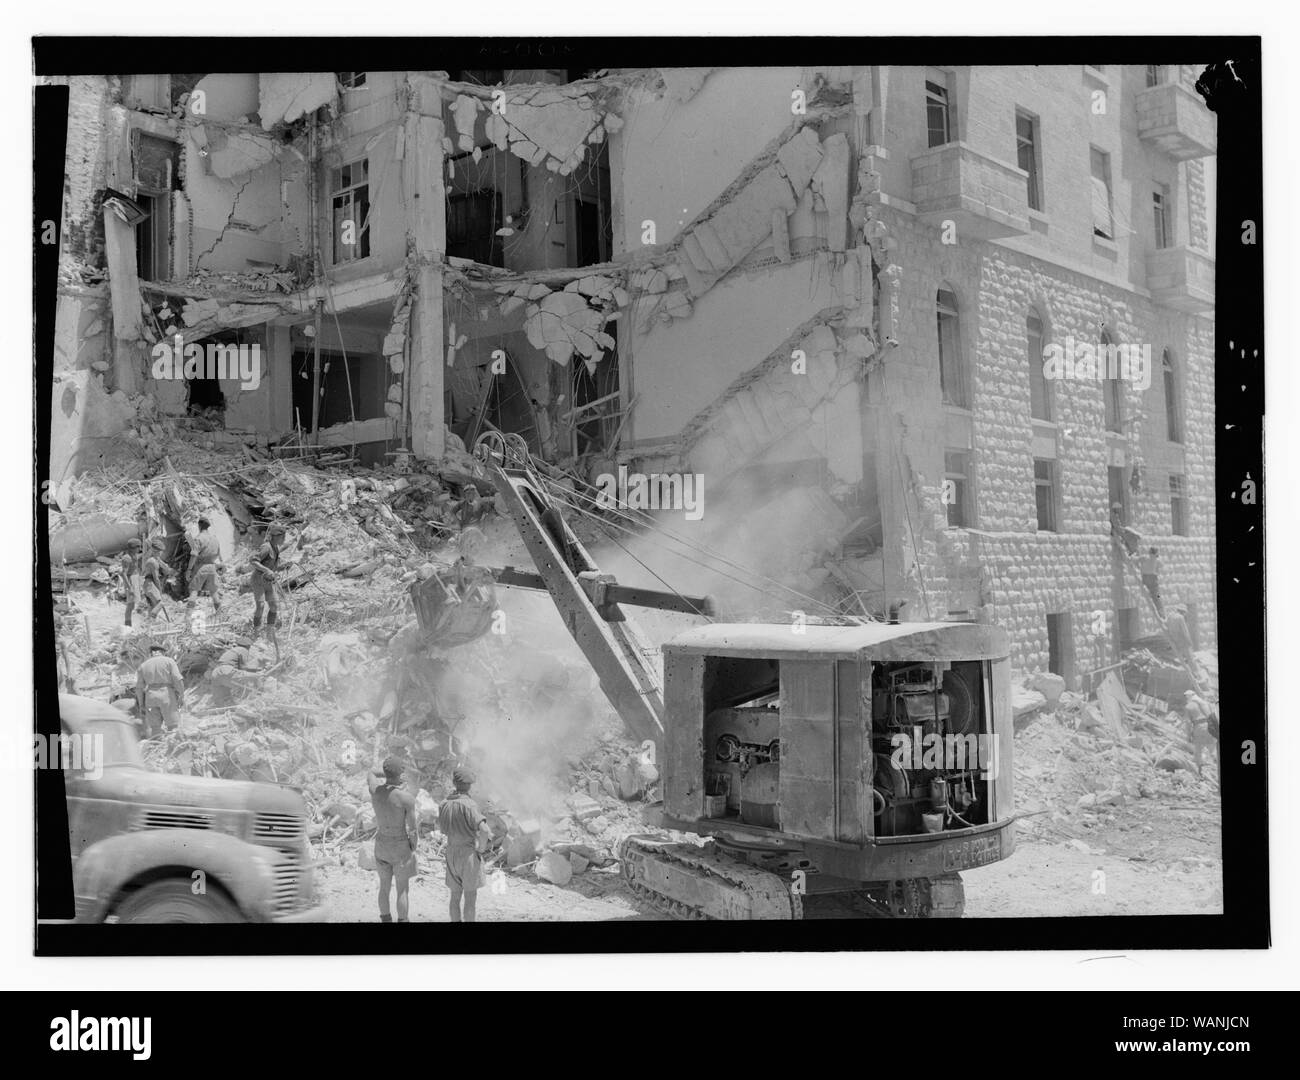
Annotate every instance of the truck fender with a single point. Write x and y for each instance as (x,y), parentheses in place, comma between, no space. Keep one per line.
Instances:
(244,870)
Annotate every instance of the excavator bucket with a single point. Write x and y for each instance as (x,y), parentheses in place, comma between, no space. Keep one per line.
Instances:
(454,605)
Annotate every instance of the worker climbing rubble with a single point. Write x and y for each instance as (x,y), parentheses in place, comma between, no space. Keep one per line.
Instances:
(205,562)
(129,572)
(266,565)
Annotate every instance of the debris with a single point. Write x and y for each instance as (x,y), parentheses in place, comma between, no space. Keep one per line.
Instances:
(555,868)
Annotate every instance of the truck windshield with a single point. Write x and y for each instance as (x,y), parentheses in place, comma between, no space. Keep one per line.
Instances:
(119,742)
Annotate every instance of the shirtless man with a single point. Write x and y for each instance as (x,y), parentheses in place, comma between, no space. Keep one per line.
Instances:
(397,838)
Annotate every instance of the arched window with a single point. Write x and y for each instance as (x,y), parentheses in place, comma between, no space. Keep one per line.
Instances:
(952,381)
(1040,392)
(1112,386)
(1173,418)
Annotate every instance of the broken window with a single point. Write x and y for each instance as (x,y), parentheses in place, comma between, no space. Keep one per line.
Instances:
(473,227)
(1027,156)
(1103,223)
(1040,393)
(347,390)
(938,109)
(1117,490)
(595,401)
(952,382)
(957,488)
(1178,504)
(351,80)
(156,163)
(1173,417)
(350,210)
(1045,493)
(1160,213)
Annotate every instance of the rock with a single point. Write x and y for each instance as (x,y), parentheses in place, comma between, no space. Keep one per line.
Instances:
(1086,801)
(578,863)
(1110,798)
(1049,684)
(1080,845)
(555,868)
(1025,701)
(597,825)
(584,807)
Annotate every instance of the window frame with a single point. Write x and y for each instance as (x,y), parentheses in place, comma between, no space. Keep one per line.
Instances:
(1097,156)
(1178,505)
(1162,219)
(1034,184)
(1112,390)
(938,94)
(964,491)
(1159,71)
(355,80)
(1037,377)
(957,397)
(1173,404)
(1048,483)
(339,254)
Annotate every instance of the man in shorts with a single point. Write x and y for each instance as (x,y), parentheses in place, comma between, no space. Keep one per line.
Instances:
(205,556)
(468,834)
(397,838)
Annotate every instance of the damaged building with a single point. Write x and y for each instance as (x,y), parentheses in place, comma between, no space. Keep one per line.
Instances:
(826,291)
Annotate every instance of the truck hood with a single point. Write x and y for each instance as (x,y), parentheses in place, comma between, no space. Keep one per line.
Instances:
(130,784)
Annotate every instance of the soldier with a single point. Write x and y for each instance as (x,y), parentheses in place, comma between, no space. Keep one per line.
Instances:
(265,565)
(397,838)
(129,568)
(159,690)
(153,578)
(467,832)
(205,557)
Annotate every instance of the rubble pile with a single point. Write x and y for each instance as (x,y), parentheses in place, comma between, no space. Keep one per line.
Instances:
(1079,762)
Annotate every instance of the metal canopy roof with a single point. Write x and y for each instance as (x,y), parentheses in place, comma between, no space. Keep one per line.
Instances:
(871,641)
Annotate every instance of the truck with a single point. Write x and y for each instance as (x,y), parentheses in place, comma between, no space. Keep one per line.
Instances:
(869,761)
(150,847)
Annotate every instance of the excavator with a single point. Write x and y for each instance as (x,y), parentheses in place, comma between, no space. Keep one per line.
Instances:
(867,764)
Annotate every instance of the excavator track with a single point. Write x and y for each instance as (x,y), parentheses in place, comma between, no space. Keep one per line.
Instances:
(690,882)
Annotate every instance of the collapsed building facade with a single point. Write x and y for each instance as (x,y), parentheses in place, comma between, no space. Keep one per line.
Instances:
(825,291)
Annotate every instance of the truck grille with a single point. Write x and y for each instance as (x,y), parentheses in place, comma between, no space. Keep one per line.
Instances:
(277,828)
(173,819)
(288,897)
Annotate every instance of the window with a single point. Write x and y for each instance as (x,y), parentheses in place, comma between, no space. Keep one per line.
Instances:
(1116,490)
(1058,645)
(951,375)
(938,109)
(1153,75)
(473,220)
(1102,216)
(1173,418)
(1027,156)
(1128,621)
(956,489)
(1112,388)
(1040,394)
(1045,493)
(1178,503)
(351,80)
(350,207)
(157,175)
(1160,212)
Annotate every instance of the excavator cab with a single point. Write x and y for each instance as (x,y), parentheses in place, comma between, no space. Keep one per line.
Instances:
(872,759)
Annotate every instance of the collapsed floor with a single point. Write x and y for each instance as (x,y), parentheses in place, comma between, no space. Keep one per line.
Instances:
(355,680)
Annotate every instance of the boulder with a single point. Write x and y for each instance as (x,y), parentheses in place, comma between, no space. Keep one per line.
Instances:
(1049,684)
(555,868)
